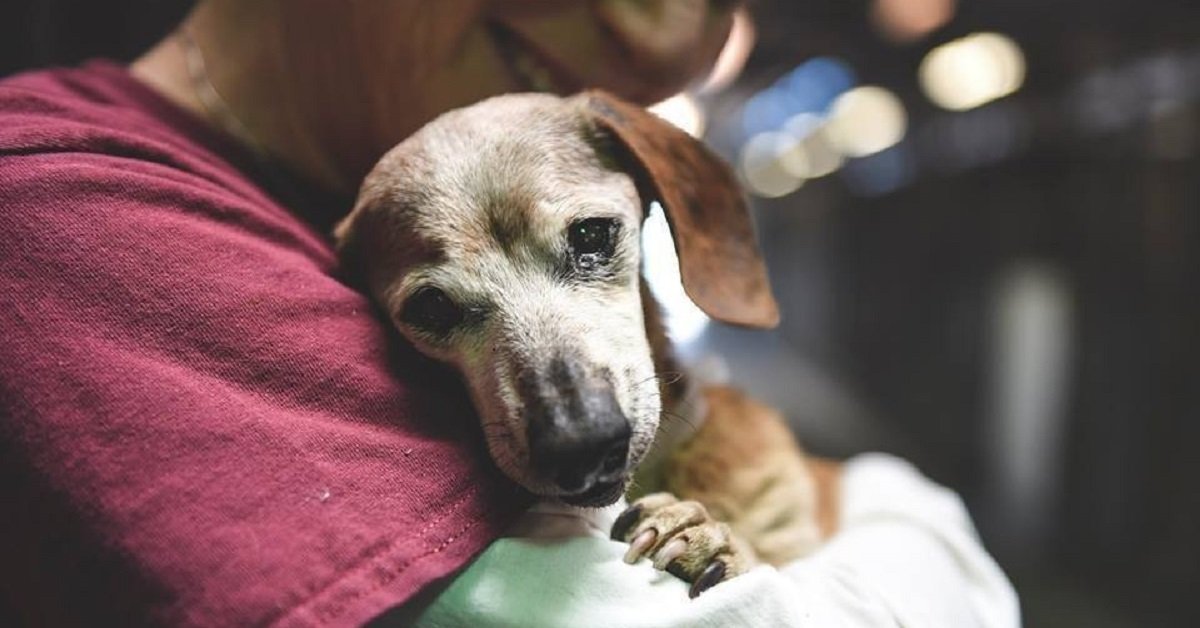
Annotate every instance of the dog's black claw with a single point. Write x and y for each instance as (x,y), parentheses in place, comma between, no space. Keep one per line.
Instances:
(712,574)
(625,521)
(675,569)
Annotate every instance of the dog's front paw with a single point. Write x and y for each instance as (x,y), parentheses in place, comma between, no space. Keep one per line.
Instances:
(683,539)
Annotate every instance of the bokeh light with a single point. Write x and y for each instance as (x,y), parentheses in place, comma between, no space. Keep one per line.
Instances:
(865,121)
(762,165)
(683,111)
(811,87)
(787,126)
(813,155)
(973,71)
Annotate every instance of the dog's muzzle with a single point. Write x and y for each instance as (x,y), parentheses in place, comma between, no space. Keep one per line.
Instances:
(578,435)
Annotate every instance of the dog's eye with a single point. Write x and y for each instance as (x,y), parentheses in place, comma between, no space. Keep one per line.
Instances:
(592,240)
(430,310)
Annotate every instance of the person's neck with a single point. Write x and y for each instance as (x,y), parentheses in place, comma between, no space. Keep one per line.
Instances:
(248,82)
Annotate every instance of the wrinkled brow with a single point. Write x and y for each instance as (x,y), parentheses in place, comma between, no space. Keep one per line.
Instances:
(508,216)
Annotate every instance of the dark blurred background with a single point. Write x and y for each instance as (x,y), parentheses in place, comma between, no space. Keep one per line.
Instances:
(982,219)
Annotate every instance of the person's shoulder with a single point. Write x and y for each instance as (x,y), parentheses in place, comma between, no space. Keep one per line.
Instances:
(58,109)
(96,109)
(96,134)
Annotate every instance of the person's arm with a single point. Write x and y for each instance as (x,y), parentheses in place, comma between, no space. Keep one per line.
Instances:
(906,555)
(199,424)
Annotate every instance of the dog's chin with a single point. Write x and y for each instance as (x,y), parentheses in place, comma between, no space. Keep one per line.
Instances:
(598,496)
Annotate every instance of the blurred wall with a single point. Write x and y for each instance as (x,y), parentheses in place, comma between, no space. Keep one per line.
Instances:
(37,33)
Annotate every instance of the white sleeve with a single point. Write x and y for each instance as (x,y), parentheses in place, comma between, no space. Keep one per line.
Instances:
(906,555)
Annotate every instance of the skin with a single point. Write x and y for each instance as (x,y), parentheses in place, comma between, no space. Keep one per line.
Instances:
(328,87)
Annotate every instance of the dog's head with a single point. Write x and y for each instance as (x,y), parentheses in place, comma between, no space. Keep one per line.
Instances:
(504,239)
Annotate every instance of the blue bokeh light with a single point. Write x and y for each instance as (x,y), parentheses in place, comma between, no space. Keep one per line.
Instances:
(809,88)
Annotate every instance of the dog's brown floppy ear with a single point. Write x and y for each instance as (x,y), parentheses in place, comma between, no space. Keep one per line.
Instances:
(719,262)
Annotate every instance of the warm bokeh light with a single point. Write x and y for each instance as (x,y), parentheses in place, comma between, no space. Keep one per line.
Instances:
(762,165)
(866,120)
(685,322)
(908,20)
(972,71)
(810,121)
(813,155)
(1008,58)
(683,111)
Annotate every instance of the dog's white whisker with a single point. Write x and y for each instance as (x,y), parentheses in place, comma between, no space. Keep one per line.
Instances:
(677,417)
(670,377)
(665,378)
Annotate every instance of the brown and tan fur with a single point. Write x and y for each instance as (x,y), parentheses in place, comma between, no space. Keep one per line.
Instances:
(476,205)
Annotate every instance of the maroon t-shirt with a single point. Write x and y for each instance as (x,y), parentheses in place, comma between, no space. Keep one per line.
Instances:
(199,423)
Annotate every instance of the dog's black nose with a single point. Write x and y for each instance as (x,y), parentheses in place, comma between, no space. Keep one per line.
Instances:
(578,435)
(579,464)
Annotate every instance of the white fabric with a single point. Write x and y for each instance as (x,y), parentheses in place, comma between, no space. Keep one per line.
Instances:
(906,555)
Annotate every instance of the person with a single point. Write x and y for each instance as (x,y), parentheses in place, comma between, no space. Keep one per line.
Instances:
(200,423)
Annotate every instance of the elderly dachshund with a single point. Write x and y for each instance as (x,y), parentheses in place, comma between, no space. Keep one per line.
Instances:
(503,239)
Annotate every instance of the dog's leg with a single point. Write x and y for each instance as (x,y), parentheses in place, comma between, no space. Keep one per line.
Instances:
(746,467)
(683,539)
(740,491)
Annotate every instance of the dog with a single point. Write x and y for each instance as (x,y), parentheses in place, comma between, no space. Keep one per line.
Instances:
(503,239)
